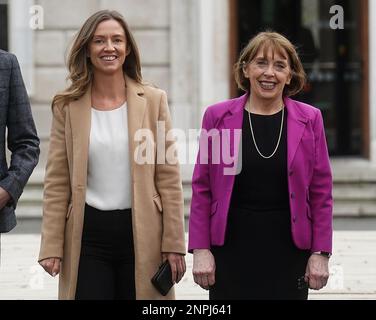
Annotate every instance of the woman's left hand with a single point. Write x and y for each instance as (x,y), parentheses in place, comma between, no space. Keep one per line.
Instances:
(177,263)
(317,272)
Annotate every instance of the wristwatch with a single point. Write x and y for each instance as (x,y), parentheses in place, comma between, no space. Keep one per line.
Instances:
(323,253)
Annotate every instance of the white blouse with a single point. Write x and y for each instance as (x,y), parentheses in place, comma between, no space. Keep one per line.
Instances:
(109,176)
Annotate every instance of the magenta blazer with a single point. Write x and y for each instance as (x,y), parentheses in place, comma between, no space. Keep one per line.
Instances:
(308,170)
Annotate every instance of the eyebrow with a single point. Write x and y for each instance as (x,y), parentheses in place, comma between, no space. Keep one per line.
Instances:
(264,58)
(114,35)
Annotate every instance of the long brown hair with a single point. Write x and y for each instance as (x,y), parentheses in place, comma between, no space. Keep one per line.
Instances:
(79,65)
(276,41)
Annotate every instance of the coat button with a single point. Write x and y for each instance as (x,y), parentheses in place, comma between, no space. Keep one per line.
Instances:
(292,195)
(291,172)
(294,219)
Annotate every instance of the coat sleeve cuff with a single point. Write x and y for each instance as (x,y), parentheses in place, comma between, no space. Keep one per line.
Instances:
(178,247)
(50,252)
(12,186)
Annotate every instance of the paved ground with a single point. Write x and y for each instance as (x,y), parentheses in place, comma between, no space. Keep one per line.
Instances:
(353,265)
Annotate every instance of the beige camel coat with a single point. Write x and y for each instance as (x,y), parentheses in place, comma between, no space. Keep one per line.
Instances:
(157,198)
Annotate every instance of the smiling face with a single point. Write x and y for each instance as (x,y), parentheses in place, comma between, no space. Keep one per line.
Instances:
(108,47)
(268,73)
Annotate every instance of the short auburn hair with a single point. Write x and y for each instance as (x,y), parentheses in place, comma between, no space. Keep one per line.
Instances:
(280,44)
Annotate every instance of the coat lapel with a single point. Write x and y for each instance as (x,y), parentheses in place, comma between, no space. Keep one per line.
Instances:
(296,124)
(80,119)
(136,106)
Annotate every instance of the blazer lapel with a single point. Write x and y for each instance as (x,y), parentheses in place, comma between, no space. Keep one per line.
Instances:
(234,120)
(295,128)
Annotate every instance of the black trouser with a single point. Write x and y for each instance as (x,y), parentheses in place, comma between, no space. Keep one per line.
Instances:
(106,269)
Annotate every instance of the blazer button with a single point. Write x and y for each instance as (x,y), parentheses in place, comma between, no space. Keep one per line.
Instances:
(294,219)
(291,172)
(292,195)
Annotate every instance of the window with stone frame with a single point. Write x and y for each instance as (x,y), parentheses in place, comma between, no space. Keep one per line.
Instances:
(4,25)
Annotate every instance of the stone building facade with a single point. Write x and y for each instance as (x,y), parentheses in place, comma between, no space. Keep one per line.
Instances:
(186,49)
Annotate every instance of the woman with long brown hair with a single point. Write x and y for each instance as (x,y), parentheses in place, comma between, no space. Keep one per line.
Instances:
(108,219)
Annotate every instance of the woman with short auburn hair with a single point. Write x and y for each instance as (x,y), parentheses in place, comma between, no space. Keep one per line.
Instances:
(265,233)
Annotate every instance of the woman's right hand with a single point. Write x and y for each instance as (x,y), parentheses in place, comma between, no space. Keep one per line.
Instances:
(203,268)
(51,265)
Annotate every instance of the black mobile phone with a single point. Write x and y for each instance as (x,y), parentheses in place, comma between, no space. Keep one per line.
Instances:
(302,284)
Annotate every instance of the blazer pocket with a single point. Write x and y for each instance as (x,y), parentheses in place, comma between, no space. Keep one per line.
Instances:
(213,208)
(70,208)
(158,202)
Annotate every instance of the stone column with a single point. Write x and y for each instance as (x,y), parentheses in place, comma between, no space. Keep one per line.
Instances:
(214,51)
(199,65)
(21,38)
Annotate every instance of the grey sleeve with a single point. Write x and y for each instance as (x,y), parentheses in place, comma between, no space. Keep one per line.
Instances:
(23,141)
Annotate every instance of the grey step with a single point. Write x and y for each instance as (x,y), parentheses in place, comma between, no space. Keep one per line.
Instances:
(354,191)
(354,208)
(341,209)
(35,193)
(31,196)
(350,199)
(28,211)
(354,175)
(36,178)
